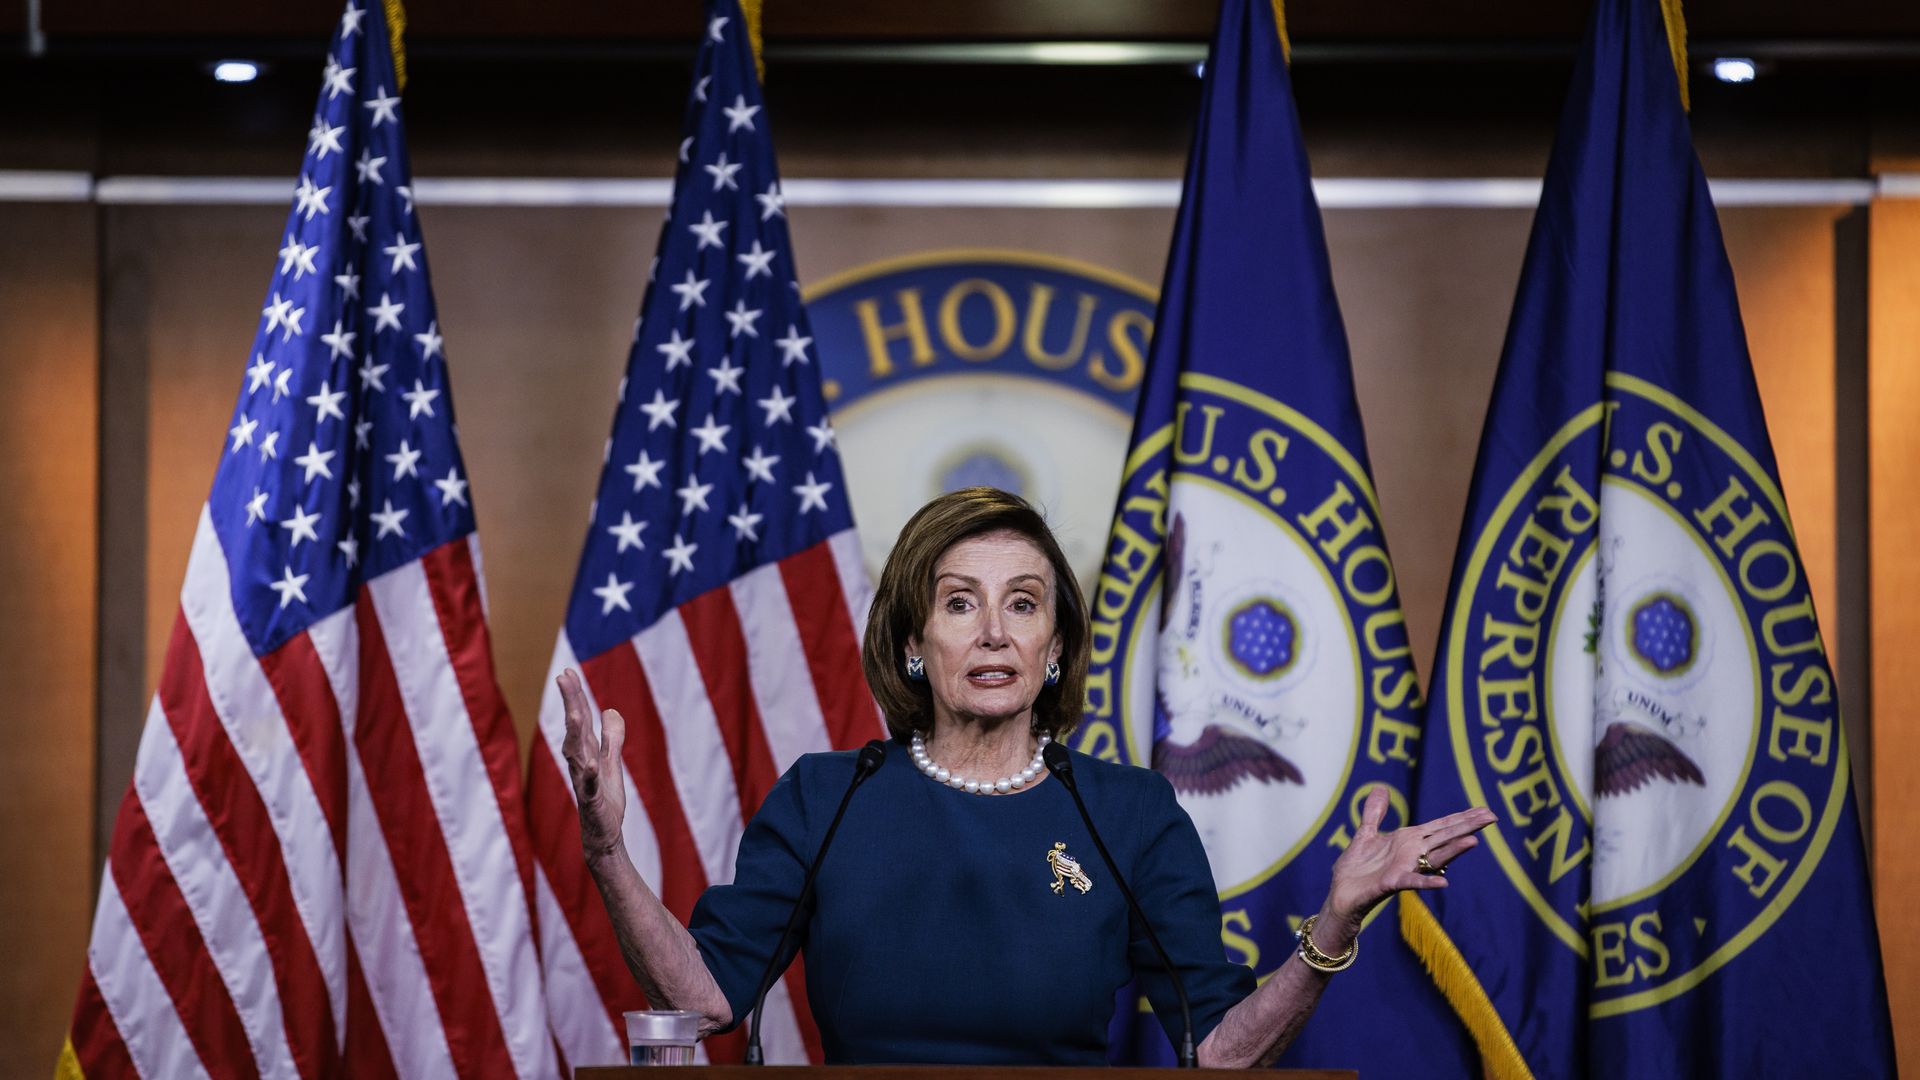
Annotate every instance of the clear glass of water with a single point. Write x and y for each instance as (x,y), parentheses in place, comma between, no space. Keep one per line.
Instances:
(662,1036)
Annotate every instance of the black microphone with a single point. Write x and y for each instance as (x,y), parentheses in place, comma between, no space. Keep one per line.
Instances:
(1060,764)
(871,755)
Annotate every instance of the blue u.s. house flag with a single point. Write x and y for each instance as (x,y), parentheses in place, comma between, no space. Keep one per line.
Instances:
(1248,640)
(1630,673)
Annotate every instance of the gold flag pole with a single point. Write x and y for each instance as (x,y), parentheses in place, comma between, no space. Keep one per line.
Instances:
(751,9)
(1676,42)
(396,26)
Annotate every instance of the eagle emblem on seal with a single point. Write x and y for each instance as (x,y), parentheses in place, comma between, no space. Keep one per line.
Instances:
(1662,640)
(1219,757)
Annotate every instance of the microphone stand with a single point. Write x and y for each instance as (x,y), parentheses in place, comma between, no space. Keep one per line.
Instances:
(1060,764)
(871,755)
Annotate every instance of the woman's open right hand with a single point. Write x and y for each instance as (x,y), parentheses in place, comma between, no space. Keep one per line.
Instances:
(594,763)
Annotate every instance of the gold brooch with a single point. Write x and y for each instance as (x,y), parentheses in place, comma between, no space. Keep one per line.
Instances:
(1066,868)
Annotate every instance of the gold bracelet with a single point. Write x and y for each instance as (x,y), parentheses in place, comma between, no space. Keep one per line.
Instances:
(1311,955)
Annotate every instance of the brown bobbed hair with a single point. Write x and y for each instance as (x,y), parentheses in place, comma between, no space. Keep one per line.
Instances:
(904,600)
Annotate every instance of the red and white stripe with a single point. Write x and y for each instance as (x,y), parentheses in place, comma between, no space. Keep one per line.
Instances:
(720,696)
(322,867)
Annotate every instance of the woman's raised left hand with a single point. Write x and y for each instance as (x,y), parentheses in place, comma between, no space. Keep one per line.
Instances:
(1378,864)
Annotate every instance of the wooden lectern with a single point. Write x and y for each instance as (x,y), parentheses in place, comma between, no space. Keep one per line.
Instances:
(939,1072)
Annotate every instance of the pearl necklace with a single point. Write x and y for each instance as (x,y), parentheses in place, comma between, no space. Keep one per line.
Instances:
(941,774)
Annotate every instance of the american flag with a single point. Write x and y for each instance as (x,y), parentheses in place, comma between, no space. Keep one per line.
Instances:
(720,596)
(322,867)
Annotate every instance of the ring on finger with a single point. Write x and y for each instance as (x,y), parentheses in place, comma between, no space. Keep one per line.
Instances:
(1427,867)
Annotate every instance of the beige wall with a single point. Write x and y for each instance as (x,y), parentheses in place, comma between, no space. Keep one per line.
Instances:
(48,457)
(1426,294)
(537,306)
(1894,378)
(536,309)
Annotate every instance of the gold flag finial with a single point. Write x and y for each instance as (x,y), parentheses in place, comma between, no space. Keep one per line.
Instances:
(1676,43)
(1280,21)
(396,26)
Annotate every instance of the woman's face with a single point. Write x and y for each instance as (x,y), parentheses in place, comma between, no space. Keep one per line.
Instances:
(989,635)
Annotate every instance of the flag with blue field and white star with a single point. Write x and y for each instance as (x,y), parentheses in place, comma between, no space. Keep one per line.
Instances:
(720,595)
(322,867)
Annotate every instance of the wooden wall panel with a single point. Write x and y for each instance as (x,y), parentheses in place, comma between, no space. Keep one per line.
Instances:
(537,309)
(1894,448)
(48,449)
(1425,294)
(1783,265)
(204,273)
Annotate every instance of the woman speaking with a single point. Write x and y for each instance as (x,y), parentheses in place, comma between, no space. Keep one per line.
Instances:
(963,914)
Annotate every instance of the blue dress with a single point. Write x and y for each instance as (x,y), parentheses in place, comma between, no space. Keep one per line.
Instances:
(936,934)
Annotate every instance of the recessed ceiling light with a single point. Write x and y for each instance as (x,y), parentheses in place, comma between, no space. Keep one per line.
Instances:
(1735,69)
(236,71)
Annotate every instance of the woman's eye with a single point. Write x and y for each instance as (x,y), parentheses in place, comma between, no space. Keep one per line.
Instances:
(1023,605)
(957,603)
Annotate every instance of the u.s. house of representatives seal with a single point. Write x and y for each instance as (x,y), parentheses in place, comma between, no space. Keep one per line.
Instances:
(1639,689)
(1011,369)
(1248,641)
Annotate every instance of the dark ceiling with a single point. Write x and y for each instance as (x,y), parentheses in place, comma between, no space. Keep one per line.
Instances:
(1432,22)
(1397,88)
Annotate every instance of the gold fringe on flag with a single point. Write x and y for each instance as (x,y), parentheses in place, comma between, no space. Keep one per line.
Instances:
(1499,1056)
(68,1067)
(751,9)
(397,26)
(1280,20)
(1677,43)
